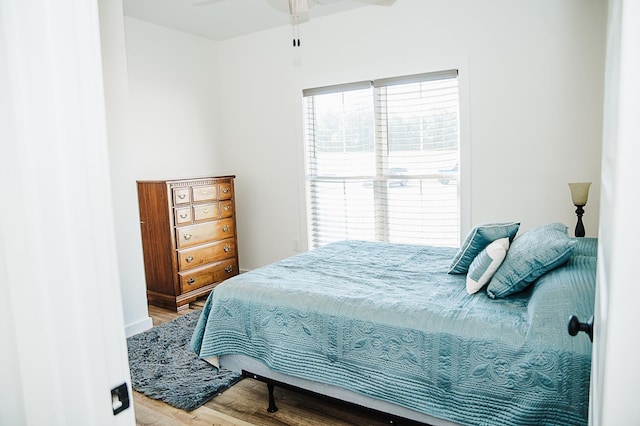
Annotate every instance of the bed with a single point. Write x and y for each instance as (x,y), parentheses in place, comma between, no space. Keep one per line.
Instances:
(391,327)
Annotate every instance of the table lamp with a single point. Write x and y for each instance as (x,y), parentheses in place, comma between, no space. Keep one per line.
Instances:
(579,195)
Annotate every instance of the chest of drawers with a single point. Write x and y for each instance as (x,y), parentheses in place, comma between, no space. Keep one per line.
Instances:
(189,238)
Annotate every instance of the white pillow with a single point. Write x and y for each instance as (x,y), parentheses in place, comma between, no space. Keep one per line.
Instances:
(485,264)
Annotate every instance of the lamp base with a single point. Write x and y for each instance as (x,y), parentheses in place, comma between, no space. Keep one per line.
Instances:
(579,232)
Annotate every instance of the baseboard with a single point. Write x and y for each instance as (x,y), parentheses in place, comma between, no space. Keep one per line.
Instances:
(138,327)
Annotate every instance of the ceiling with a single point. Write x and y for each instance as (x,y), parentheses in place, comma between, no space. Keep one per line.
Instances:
(223,19)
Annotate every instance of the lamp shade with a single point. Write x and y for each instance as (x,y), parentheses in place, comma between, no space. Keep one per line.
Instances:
(579,193)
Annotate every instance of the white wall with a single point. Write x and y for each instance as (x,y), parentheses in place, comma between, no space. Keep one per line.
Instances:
(533,76)
(535,82)
(116,90)
(172,132)
(173,80)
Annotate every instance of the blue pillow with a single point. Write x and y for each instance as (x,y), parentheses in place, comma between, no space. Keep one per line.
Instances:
(531,255)
(479,238)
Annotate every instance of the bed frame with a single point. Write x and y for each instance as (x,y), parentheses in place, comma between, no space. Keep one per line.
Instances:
(256,370)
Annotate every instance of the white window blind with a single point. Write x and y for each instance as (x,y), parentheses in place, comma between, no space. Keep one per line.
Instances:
(382,160)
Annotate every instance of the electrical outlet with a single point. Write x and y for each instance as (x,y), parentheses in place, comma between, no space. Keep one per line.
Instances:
(296,245)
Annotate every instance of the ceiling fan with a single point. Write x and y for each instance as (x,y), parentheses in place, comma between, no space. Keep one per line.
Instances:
(298,10)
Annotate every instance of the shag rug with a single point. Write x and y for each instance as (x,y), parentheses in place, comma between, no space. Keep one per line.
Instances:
(164,367)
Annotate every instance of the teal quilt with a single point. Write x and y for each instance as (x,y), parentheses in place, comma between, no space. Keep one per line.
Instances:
(387,321)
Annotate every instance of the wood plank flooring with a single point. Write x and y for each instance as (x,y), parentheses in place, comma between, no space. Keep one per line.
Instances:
(245,403)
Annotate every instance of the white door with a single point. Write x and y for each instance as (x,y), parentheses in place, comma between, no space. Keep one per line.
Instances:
(615,384)
(62,342)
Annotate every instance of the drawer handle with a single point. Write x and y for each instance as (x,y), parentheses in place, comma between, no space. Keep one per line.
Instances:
(225,228)
(225,189)
(187,236)
(228,269)
(205,210)
(183,216)
(227,248)
(189,259)
(226,208)
(181,196)
(191,281)
(204,191)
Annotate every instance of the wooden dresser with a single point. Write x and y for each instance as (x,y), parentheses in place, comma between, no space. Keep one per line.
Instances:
(188,237)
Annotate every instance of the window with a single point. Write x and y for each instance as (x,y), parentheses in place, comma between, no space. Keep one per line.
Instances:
(382,160)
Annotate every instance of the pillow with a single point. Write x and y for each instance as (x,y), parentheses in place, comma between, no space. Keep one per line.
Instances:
(479,238)
(531,255)
(486,264)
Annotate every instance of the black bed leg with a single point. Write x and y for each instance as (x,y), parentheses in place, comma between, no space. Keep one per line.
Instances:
(272,402)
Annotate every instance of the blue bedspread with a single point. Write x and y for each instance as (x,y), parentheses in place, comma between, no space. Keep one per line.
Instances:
(387,321)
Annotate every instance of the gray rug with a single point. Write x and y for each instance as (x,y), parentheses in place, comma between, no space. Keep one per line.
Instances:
(164,367)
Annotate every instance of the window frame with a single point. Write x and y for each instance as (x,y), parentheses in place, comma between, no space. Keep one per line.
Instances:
(464,176)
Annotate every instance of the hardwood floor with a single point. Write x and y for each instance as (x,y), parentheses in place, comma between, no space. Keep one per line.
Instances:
(245,403)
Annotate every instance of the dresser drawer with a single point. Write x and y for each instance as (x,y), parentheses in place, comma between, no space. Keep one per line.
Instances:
(198,256)
(189,236)
(183,215)
(226,208)
(199,277)
(226,191)
(181,196)
(205,193)
(205,212)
